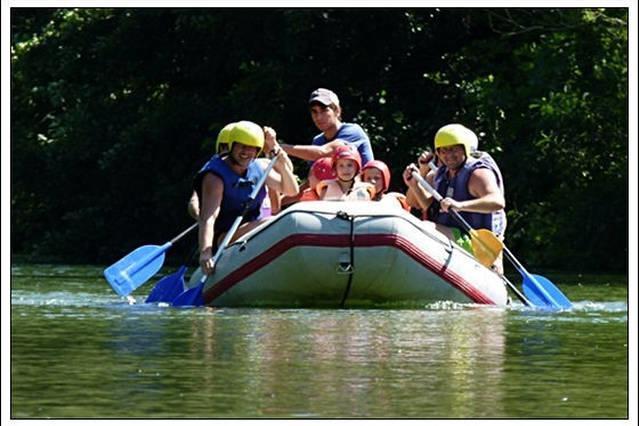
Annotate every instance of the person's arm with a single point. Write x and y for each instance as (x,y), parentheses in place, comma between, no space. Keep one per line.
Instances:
(212,193)
(417,196)
(482,185)
(425,171)
(281,178)
(312,152)
(270,144)
(194,206)
(321,189)
(276,202)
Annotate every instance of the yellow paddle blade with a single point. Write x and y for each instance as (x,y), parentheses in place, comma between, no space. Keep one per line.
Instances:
(486,246)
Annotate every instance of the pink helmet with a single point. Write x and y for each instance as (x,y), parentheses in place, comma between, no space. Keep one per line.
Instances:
(322,169)
(382,167)
(349,154)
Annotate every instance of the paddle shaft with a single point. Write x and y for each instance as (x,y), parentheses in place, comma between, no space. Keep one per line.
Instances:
(162,249)
(439,198)
(238,220)
(135,267)
(183,233)
(468,228)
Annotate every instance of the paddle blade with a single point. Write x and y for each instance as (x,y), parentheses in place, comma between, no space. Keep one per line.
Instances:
(191,297)
(168,288)
(135,269)
(542,292)
(486,246)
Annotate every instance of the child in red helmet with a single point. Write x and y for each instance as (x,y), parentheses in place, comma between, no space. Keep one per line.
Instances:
(346,186)
(322,169)
(377,174)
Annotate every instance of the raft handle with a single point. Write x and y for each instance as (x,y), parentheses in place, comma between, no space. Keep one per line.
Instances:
(344,268)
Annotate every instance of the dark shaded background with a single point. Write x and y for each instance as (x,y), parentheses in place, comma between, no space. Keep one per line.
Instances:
(114,110)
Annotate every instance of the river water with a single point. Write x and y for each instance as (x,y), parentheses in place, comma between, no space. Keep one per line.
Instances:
(80,351)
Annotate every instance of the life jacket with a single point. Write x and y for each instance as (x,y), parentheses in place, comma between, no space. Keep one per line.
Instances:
(396,198)
(309,194)
(359,191)
(237,190)
(457,189)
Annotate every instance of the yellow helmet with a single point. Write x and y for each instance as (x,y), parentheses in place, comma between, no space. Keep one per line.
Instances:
(223,138)
(247,133)
(456,134)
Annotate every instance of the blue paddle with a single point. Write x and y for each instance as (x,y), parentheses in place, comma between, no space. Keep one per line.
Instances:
(168,288)
(137,267)
(540,290)
(193,295)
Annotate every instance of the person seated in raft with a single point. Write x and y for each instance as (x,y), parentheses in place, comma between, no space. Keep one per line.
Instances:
(322,169)
(326,112)
(222,148)
(346,186)
(469,185)
(376,173)
(224,185)
(429,163)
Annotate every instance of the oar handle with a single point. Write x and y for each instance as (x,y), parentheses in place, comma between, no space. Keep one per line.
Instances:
(238,220)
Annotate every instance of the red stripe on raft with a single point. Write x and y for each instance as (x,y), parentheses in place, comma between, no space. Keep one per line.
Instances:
(369,240)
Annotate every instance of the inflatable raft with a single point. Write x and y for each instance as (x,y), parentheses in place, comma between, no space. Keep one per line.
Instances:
(347,254)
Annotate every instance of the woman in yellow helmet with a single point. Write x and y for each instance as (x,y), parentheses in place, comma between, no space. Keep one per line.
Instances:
(224,185)
(222,147)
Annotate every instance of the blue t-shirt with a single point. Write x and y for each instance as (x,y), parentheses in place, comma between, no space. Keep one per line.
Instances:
(355,136)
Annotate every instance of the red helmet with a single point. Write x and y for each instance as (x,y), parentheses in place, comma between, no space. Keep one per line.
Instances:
(322,169)
(382,167)
(350,154)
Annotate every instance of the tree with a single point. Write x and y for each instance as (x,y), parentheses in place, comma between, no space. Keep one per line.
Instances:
(114,110)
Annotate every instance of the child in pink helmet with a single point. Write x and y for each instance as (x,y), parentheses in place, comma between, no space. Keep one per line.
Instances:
(346,185)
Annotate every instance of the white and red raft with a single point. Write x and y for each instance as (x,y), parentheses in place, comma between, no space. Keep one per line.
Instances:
(329,254)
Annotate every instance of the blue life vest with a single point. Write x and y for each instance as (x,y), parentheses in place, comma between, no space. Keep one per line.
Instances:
(457,189)
(237,190)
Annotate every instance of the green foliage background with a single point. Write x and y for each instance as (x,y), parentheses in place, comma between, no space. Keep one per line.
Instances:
(113,111)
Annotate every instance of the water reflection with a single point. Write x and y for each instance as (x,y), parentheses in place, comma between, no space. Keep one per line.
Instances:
(77,350)
(354,363)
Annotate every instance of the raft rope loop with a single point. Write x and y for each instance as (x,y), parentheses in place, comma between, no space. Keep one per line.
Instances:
(345,216)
